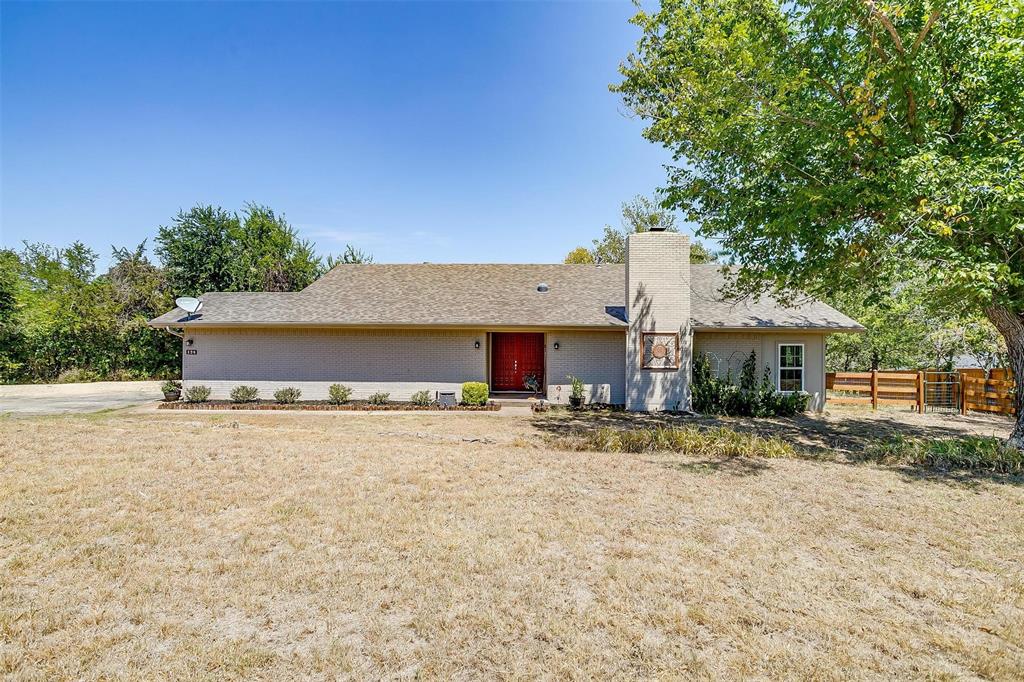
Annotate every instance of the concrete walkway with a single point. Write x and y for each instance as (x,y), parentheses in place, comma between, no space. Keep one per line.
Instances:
(68,398)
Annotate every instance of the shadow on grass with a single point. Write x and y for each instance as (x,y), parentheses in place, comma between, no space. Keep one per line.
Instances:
(731,466)
(966,477)
(841,438)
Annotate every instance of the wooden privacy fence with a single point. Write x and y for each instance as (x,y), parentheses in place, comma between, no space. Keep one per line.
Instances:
(987,395)
(963,390)
(877,388)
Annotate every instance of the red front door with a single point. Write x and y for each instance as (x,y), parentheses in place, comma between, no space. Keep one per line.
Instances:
(513,358)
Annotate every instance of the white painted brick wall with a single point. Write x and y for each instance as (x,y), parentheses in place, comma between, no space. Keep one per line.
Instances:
(658,300)
(397,361)
(599,358)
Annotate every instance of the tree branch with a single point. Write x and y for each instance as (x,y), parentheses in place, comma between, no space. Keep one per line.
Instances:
(932,18)
(884,20)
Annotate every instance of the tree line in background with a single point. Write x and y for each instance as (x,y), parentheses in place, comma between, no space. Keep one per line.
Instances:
(906,329)
(641,214)
(60,320)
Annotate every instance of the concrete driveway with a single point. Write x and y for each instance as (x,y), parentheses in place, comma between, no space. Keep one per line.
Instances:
(64,398)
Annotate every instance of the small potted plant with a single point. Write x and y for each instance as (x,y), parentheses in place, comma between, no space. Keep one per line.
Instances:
(576,394)
(171,389)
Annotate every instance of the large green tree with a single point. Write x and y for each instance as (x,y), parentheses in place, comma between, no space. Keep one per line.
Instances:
(141,292)
(210,249)
(831,143)
(67,315)
(638,215)
(905,330)
(11,338)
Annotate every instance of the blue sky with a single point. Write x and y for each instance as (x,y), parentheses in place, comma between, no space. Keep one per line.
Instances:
(461,132)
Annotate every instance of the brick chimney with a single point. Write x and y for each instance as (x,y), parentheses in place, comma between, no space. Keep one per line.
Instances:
(658,344)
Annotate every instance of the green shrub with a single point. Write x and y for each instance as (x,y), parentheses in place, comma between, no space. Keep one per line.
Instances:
(978,453)
(421,398)
(576,392)
(475,393)
(379,398)
(197,394)
(244,394)
(170,386)
(338,394)
(715,396)
(714,442)
(287,395)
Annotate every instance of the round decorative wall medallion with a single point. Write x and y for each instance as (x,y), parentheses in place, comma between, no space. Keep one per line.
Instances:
(660,350)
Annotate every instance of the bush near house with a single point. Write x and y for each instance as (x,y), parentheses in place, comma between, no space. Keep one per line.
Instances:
(475,393)
(421,398)
(339,394)
(576,392)
(287,395)
(197,394)
(244,394)
(716,396)
(379,398)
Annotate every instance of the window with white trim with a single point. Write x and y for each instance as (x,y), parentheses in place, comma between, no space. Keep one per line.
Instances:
(791,367)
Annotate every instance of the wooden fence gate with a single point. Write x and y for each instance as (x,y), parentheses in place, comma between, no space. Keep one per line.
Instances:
(942,392)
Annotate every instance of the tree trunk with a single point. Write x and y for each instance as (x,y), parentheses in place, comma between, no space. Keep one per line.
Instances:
(1011,325)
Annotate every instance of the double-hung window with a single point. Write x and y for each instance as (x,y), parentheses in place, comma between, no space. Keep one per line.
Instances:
(791,367)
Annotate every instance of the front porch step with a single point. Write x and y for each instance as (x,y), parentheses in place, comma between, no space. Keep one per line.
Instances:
(512,400)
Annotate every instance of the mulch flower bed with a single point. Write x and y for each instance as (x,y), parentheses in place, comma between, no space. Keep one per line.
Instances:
(323,406)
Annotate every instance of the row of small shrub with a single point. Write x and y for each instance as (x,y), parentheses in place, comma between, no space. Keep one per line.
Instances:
(240,394)
(473,393)
(717,442)
(970,453)
(715,396)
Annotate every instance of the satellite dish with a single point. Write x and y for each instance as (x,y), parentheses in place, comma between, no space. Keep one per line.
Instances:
(188,304)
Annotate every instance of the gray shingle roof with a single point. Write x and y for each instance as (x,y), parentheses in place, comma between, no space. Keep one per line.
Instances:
(488,296)
(710,310)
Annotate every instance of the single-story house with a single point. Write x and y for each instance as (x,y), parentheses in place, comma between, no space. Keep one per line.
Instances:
(629,331)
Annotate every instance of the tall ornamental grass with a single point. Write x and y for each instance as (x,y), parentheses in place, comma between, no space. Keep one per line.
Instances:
(716,442)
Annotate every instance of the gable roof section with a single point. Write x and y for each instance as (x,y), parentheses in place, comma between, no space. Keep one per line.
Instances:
(710,310)
(486,295)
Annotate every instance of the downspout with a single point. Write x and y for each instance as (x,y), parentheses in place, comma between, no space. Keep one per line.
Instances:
(171,331)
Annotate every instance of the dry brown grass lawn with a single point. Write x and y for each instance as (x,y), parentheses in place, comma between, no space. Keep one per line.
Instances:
(282,546)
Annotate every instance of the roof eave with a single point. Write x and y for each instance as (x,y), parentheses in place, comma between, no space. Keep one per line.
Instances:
(202,324)
(814,328)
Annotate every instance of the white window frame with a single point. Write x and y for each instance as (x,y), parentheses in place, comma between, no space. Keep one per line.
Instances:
(779,367)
